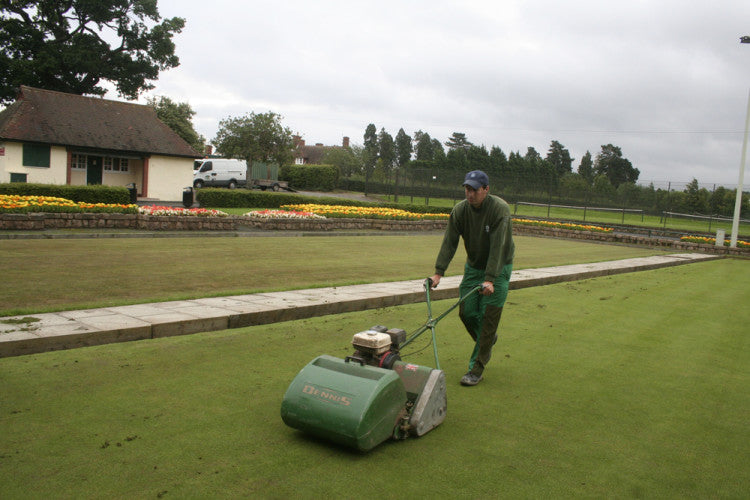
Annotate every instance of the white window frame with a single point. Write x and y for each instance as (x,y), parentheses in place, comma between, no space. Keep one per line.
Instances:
(78,161)
(116,165)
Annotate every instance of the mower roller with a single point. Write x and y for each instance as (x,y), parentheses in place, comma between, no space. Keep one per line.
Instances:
(371,396)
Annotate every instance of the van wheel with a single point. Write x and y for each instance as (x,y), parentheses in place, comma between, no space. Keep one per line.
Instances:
(232,184)
(198,184)
(275,187)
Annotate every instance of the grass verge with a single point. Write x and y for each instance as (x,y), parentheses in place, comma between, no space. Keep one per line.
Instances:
(625,386)
(49,275)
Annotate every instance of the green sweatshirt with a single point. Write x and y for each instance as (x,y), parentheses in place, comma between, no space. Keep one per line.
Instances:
(487,234)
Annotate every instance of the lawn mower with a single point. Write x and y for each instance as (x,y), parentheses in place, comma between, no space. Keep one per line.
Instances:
(371,396)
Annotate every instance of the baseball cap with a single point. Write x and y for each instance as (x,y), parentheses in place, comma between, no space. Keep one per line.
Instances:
(476,179)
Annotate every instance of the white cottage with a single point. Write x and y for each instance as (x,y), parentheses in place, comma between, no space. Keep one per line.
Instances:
(57,138)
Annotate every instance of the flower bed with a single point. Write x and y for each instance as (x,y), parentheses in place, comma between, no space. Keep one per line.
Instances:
(282,214)
(17,204)
(563,225)
(351,212)
(702,240)
(191,212)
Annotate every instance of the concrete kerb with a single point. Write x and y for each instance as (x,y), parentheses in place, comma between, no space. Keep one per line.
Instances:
(37,333)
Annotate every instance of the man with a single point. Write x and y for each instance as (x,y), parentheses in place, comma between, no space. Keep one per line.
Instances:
(484,222)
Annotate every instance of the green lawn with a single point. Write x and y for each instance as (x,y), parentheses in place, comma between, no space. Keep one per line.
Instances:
(606,217)
(630,386)
(47,275)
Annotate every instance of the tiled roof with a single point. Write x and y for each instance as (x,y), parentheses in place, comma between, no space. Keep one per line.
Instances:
(61,119)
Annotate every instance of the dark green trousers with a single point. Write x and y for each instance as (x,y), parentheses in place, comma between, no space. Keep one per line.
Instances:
(480,314)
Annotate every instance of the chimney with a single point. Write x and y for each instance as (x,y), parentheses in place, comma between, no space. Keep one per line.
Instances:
(209,150)
(298,141)
(345,143)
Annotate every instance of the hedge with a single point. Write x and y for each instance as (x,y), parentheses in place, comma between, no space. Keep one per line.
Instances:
(248,198)
(374,187)
(87,194)
(311,177)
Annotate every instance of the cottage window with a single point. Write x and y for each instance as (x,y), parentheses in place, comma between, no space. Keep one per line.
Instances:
(115,164)
(36,155)
(78,162)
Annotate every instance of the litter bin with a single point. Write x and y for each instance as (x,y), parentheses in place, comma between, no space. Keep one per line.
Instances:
(188,197)
(133,193)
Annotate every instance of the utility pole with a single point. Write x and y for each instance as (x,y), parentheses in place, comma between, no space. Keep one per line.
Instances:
(740,187)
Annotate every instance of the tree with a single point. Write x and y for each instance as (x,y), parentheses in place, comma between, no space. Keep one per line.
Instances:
(179,117)
(345,159)
(403,156)
(64,45)
(498,164)
(586,168)
(370,152)
(610,162)
(478,158)
(559,157)
(438,154)
(386,152)
(403,148)
(458,141)
(422,146)
(255,137)
(532,156)
(697,198)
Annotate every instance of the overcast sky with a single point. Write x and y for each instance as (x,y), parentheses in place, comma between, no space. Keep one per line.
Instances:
(666,81)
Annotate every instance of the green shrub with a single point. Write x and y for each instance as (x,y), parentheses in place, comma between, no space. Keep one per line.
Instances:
(247,198)
(87,194)
(376,187)
(311,177)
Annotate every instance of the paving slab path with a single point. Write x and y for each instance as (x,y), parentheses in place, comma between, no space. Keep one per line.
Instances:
(21,335)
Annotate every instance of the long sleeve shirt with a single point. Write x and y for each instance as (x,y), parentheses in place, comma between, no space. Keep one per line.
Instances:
(487,233)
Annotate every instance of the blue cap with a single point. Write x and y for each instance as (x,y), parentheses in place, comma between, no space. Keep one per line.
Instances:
(476,179)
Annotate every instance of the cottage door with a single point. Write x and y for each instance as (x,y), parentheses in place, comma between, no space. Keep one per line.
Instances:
(94,170)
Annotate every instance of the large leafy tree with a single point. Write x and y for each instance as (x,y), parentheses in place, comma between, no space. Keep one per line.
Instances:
(255,137)
(347,160)
(179,117)
(610,162)
(64,45)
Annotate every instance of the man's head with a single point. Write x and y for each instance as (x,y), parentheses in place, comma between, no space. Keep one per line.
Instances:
(476,187)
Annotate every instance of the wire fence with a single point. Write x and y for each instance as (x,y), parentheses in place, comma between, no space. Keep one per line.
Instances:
(572,191)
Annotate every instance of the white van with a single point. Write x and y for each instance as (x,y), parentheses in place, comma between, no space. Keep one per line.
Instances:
(220,172)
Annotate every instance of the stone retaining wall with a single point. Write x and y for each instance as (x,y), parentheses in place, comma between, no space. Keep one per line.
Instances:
(39,222)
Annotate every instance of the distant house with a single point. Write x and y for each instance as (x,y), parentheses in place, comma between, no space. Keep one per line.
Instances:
(57,138)
(312,155)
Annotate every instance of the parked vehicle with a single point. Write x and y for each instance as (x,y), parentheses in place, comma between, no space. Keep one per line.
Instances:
(265,176)
(220,172)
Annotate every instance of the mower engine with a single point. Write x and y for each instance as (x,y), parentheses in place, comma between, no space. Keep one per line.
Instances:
(366,398)
(378,346)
